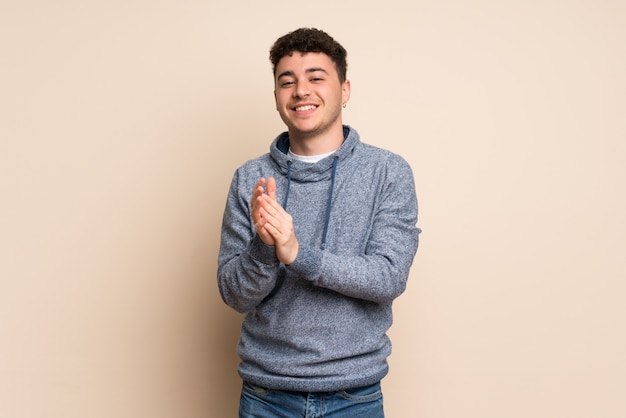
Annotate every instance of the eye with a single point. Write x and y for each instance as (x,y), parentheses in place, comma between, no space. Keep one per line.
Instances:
(287,83)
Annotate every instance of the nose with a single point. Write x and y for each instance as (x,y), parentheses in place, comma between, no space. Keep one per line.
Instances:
(302,90)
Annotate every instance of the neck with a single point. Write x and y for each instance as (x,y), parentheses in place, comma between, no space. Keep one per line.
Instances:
(316,143)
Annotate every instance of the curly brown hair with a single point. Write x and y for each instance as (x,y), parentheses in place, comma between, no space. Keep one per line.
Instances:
(310,40)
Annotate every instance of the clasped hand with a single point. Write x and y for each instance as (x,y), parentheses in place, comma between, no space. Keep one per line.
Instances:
(272,223)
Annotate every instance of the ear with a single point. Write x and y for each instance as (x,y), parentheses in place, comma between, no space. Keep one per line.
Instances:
(275,100)
(345,91)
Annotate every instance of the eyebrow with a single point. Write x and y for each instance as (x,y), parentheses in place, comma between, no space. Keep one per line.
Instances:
(308,70)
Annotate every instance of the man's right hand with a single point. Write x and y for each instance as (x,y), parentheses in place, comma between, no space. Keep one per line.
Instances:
(273,224)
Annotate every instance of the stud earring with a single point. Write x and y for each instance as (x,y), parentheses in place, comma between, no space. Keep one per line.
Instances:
(344,105)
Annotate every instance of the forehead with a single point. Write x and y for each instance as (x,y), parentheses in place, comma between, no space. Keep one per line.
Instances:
(301,62)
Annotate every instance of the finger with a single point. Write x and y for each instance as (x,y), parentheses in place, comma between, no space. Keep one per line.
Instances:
(272,207)
(258,190)
(280,220)
(271,187)
(268,216)
(260,183)
(272,231)
(259,187)
(257,194)
(279,231)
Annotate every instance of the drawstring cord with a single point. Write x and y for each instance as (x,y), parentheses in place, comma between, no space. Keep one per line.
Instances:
(329,203)
(288,184)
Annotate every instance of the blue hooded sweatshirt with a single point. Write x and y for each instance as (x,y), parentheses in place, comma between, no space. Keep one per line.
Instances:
(320,323)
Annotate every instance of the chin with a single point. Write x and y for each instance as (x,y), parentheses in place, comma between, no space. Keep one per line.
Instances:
(306,129)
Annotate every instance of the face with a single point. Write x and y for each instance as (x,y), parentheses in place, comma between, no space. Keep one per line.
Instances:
(309,95)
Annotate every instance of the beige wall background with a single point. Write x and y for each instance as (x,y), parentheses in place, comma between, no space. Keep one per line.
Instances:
(123,121)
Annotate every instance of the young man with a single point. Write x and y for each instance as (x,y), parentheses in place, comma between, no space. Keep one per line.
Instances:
(317,241)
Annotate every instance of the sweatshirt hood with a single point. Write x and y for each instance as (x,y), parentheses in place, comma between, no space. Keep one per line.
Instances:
(306,172)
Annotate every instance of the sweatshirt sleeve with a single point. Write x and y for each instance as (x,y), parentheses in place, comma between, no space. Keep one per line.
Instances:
(247,267)
(379,274)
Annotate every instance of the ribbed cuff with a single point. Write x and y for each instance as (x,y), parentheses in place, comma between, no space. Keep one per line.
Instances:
(262,252)
(308,263)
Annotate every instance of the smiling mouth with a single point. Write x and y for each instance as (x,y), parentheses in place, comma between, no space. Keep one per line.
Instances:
(304,108)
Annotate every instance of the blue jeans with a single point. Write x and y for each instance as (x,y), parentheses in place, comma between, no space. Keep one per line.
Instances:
(258,402)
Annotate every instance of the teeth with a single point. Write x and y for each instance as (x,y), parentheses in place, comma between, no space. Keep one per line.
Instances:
(304,108)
